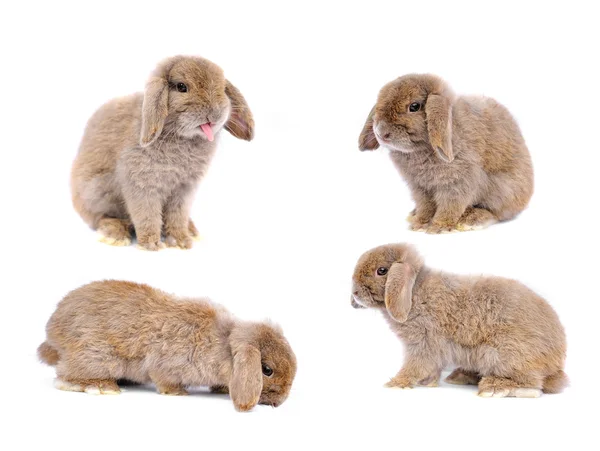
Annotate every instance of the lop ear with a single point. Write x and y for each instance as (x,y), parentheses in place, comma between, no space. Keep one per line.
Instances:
(367,140)
(398,290)
(240,123)
(154,110)
(439,125)
(246,382)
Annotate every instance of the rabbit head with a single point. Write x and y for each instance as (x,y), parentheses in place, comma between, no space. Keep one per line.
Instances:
(264,366)
(384,278)
(189,97)
(412,113)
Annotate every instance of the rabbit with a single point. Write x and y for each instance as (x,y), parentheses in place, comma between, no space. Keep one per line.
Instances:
(463,158)
(112,330)
(142,156)
(502,336)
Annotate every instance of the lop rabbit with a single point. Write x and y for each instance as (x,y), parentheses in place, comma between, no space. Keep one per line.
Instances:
(142,156)
(464,158)
(500,334)
(111,330)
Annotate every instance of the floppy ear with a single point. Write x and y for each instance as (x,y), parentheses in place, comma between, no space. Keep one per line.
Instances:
(240,123)
(246,382)
(154,110)
(439,125)
(398,290)
(367,140)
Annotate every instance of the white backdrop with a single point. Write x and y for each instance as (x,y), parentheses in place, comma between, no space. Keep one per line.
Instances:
(284,217)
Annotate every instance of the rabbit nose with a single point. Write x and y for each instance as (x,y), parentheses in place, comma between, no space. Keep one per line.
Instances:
(355,293)
(387,136)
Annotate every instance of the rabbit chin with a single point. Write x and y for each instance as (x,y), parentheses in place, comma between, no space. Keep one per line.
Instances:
(362,303)
(397,148)
(394,147)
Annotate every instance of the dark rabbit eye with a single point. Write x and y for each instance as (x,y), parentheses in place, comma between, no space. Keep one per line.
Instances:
(267,370)
(382,271)
(181,87)
(414,107)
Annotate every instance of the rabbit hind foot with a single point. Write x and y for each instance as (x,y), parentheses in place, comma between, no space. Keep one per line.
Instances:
(90,386)
(114,231)
(499,387)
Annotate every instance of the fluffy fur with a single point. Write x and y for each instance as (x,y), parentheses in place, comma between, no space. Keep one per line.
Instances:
(142,156)
(112,330)
(464,158)
(503,336)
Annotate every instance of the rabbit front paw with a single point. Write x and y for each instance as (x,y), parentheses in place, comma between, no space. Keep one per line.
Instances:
(418,220)
(400,382)
(181,240)
(418,225)
(171,390)
(150,244)
(436,228)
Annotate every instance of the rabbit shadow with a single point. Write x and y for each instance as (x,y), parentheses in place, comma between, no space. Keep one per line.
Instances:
(129,386)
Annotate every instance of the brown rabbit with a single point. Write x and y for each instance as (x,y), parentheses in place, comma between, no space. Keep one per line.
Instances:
(142,156)
(482,173)
(501,334)
(111,330)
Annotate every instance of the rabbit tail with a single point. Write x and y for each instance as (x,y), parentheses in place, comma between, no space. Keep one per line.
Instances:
(555,383)
(48,354)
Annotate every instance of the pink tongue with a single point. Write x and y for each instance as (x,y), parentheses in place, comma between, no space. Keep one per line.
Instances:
(206,128)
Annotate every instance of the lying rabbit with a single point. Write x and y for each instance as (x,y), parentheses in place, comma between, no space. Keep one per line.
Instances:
(482,172)
(142,156)
(502,335)
(111,330)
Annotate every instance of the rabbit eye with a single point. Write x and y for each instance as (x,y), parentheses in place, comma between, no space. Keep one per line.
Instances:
(267,370)
(382,271)
(414,107)
(181,87)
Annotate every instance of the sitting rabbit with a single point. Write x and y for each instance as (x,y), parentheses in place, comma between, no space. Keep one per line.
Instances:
(142,156)
(113,330)
(464,158)
(501,334)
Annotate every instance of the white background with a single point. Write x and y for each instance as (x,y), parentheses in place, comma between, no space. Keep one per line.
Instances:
(285,216)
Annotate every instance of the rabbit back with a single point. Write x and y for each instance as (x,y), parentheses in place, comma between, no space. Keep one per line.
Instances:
(126,330)
(491,324)
(95,188)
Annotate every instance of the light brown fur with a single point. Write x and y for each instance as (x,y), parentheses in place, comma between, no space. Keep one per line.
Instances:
(113,330)
(501,334)
(464,158)
(142,156)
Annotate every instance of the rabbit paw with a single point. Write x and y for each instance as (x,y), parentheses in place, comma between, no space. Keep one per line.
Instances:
(475,218)
(399,382)
(438,228)
(113,241)
(113,231)
(497,387)
(519,392)
(430,381)
(171,390)
(418,222)
(91,387)
(463,377)
(150,245)
(180,240)
(418,226)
